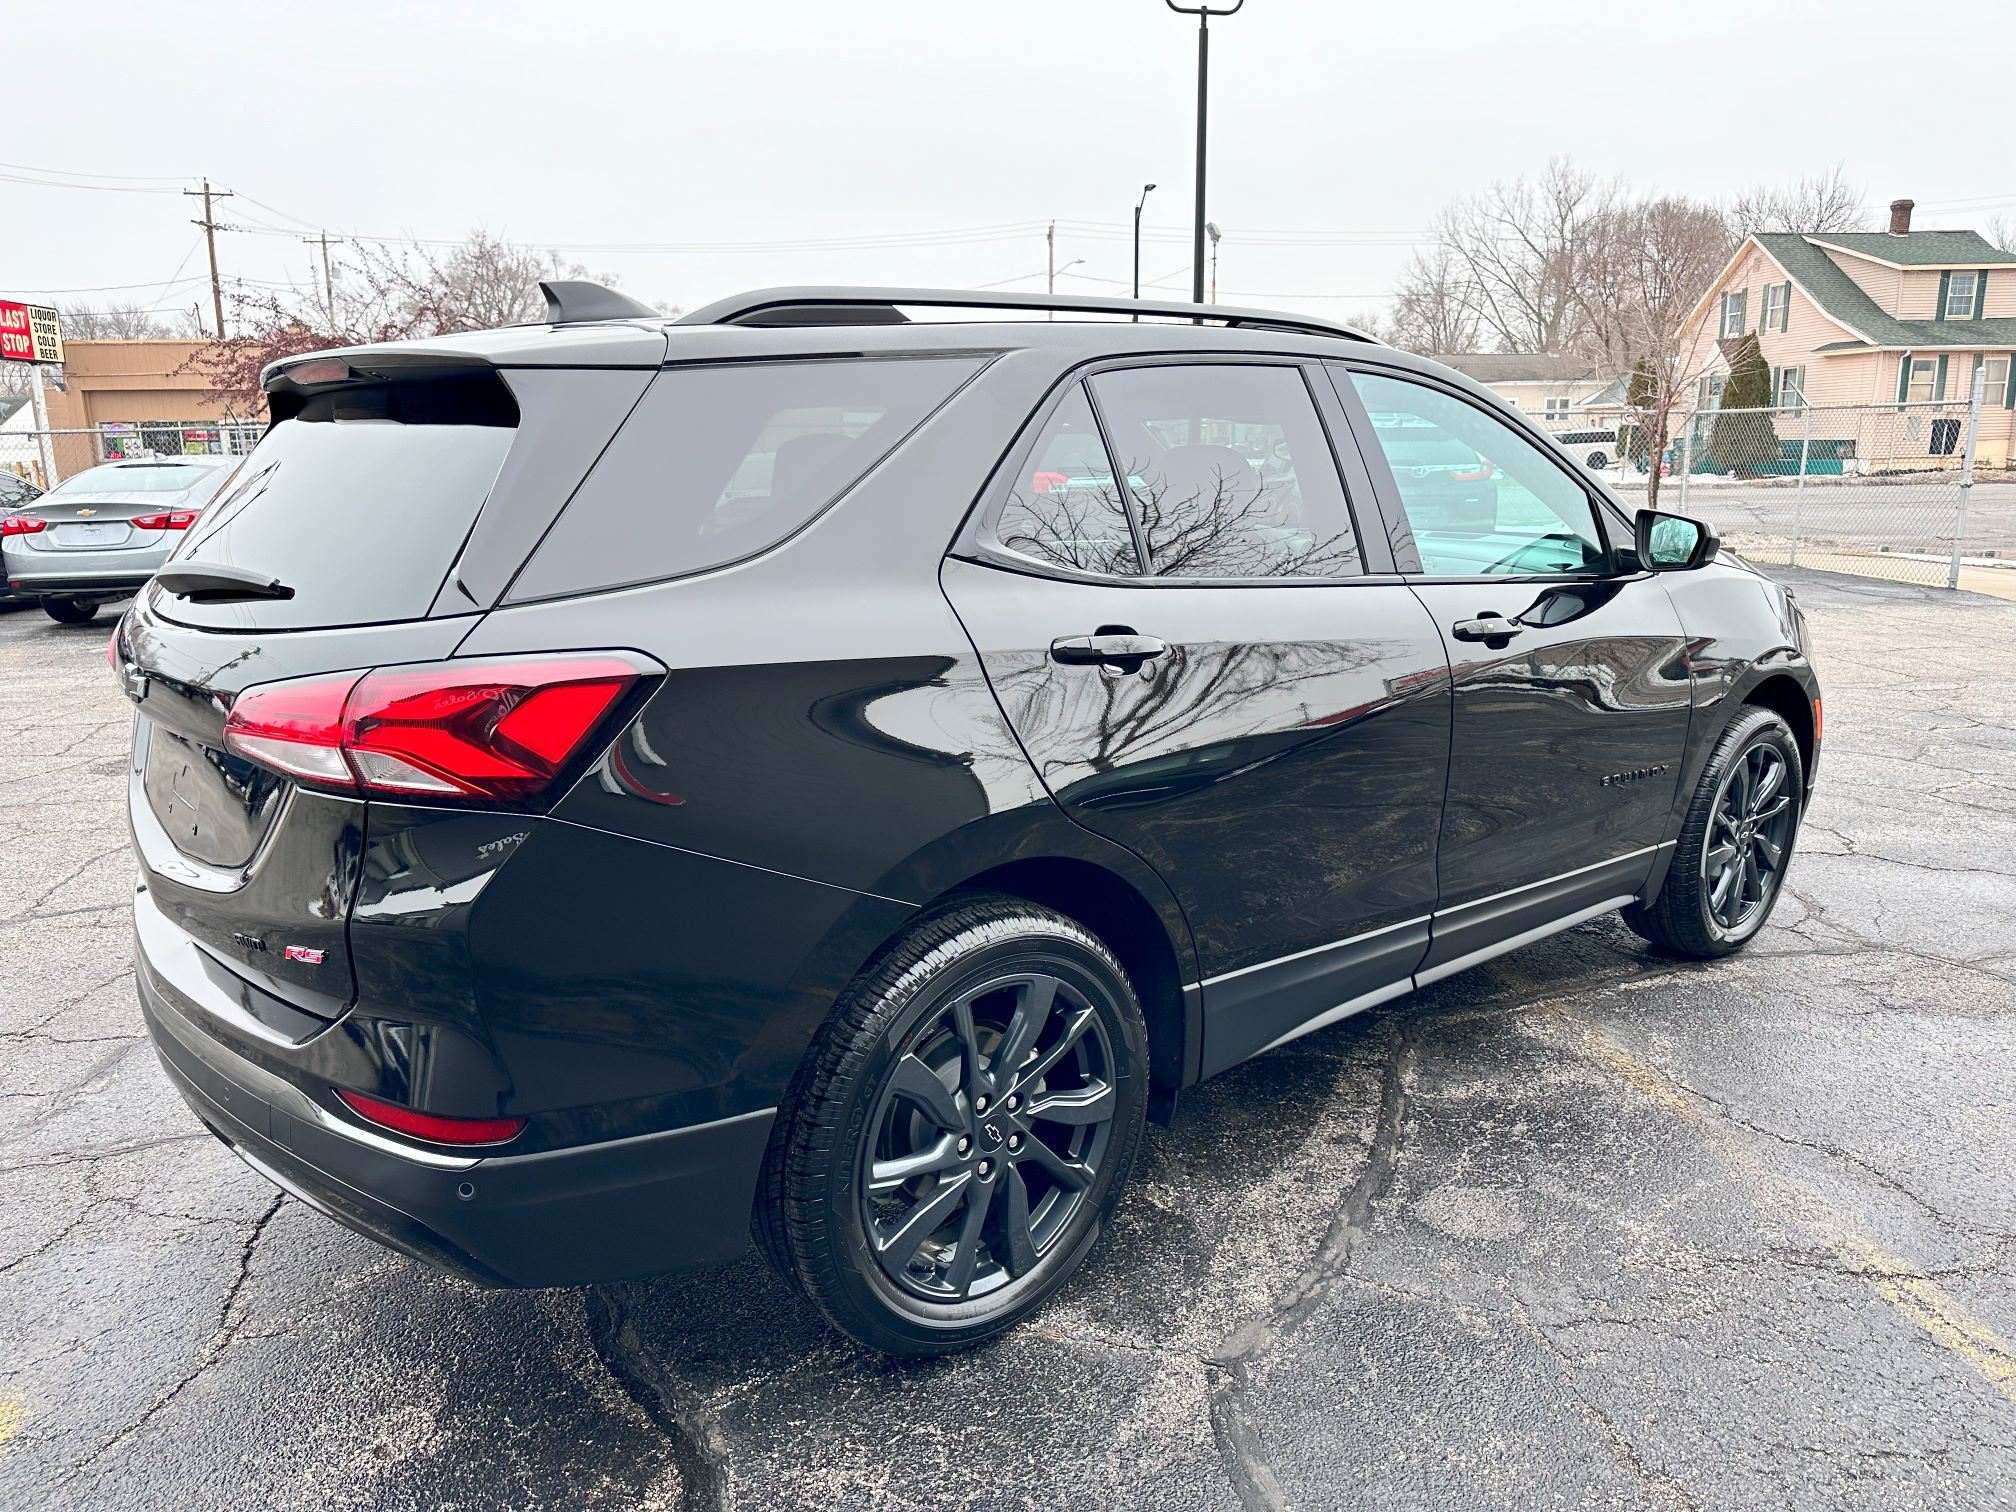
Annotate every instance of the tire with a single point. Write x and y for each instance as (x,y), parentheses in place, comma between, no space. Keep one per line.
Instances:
(1746,807)
(901,1125)
(1598,461)
(70,611)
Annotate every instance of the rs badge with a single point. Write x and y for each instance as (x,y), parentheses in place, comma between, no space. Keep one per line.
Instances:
(306,954)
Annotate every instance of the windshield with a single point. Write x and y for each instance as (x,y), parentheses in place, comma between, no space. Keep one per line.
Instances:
(162,478)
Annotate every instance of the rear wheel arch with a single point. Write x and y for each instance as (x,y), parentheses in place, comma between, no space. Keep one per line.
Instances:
(1114,910)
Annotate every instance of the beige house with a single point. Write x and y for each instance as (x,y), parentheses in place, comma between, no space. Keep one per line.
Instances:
(1869,318)
(1547,386)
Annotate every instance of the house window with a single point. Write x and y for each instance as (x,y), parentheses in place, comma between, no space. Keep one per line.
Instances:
(1556,409)
(1733,311)
(1788,389)
(1776,299)
(1996,389)
(1924,385)
(1959,296)
(1708,391)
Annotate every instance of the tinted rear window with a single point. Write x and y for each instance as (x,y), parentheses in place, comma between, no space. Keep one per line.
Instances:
(720,462)
(167,478)
(359,503)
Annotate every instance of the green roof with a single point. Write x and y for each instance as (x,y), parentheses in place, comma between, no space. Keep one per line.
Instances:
(1841,297)
(1920,249)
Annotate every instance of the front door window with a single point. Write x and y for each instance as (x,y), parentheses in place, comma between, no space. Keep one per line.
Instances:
(1480,499)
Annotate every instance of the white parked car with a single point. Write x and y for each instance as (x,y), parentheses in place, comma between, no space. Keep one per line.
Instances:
(1594,449)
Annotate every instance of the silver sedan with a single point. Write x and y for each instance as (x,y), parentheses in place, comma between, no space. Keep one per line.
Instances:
(99,534)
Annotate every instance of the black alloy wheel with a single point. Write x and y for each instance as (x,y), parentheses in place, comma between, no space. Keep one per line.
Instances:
(1735,842)
(1749,839)
(960,1129)
(987,1134)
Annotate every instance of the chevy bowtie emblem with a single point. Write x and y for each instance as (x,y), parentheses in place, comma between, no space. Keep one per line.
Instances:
(85,514)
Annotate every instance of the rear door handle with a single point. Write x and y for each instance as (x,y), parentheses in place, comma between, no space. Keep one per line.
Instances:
(1494,630)
(1122,649)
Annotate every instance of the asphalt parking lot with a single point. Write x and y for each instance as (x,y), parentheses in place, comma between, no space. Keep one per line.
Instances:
(1582,1228)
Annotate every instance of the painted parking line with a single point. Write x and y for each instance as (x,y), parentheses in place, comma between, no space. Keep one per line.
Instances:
(1919,1299)
(13,1413)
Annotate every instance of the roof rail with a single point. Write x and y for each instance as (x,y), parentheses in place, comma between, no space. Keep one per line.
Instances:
(575,299)
(823,305)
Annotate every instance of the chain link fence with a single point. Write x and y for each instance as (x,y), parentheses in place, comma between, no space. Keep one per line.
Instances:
(1874,490)
(45,458)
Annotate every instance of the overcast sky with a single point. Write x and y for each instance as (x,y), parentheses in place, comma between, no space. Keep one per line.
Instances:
(697,149)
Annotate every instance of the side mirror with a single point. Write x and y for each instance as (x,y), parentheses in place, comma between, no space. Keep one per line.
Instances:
(1674,543)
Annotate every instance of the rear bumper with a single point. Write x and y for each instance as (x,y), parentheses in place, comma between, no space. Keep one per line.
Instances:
(676,1200)
(61,580)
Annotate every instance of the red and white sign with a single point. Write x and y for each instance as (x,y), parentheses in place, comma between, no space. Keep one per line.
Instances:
(29,333)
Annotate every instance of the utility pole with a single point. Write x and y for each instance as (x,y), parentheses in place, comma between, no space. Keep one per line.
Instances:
(210,228)
(328,283)
(1203,13)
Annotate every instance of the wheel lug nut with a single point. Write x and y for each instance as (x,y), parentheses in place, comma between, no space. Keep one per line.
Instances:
(965,1144)
(1014,1102)
(986,1166)
(1014,1141)
(980,1104)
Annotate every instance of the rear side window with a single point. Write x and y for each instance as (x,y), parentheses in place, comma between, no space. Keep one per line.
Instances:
(720,462)
(1230,471)
(359,502)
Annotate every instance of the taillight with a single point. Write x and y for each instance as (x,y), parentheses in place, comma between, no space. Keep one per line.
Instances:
(174,519)
(499,728)
(22,525)
(457,1131)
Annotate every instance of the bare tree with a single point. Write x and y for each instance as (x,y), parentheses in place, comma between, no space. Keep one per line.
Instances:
(1822,202)
(1520,247)
(119,322)
(2002,231)
(1657,259)
(483,283)
(1434,305)
(380,293)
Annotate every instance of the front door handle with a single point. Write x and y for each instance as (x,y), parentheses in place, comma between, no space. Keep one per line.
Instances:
(1109,648)
(1494,630)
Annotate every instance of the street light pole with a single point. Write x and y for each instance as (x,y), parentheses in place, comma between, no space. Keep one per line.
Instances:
(1146,190)
(1211,230)
(1203,13)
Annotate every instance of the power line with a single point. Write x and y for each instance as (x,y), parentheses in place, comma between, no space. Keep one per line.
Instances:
(153,178)
(39,183)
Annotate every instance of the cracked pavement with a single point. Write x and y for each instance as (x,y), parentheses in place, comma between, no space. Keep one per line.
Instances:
(1586,1227)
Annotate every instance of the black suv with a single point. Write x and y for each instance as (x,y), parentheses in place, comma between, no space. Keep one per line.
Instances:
(607,786)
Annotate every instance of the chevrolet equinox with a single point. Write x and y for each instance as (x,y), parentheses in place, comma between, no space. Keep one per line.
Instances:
(608,787)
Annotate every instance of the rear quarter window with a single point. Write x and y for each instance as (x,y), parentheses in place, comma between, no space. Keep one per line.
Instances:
(719,462)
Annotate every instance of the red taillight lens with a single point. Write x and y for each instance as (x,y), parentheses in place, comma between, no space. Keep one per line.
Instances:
(499,728)
(177,519)
(22,525)
(455,1131)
